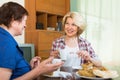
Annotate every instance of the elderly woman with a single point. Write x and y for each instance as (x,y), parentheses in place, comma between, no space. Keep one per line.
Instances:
(13,66)
(76,49)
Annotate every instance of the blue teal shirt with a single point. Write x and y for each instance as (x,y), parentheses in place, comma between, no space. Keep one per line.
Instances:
(11,56)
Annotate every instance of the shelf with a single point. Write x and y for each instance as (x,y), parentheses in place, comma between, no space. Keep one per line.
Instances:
(48,20)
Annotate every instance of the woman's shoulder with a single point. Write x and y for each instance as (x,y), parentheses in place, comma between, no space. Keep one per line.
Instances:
(84,40)
(60,39)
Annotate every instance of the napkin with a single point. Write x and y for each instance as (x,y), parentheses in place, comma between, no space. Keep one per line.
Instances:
(62,74)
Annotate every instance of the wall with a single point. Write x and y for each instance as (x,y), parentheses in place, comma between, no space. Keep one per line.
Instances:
(19,39)
(74,5)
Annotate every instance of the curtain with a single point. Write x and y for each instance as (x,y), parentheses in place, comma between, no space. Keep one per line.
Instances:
(103,25)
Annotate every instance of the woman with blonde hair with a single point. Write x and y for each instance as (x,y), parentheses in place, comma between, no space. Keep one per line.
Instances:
(76,49)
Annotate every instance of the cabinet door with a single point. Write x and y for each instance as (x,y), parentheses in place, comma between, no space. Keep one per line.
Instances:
(53,6)
(31,21)
(44,54)
(45,39)
(44,5)
(59,7)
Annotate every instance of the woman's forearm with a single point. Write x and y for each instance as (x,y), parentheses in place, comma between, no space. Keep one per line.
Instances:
(34,73)
(96,62)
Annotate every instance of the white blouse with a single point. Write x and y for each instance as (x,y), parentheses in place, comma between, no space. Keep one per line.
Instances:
(72,58)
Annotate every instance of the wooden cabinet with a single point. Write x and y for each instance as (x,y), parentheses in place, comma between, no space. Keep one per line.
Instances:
(48,13)
(31,21)
(44,5)
(59,7)
(52,6)
(43,41)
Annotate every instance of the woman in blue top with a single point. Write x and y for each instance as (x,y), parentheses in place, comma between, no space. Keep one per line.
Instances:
(12,64)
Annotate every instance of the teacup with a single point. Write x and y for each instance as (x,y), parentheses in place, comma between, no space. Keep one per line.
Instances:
(63,55)
(55,60)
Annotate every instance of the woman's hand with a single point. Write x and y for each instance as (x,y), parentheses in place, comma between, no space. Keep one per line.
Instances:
(84,54)
(55,54)
(35,62)
(46,66)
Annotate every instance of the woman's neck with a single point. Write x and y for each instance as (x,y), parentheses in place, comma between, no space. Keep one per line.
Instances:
(6,28)
(71,41)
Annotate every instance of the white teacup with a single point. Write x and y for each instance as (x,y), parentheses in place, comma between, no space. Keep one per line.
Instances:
(63,55)
(56,61)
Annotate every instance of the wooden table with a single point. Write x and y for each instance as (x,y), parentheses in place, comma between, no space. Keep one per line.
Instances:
(70,70)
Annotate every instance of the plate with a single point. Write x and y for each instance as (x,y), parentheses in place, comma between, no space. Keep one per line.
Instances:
(52,76)
(59,74)
(55,74)
(91,78)
(76,67)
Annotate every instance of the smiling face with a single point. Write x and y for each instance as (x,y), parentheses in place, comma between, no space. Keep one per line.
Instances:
(70,28)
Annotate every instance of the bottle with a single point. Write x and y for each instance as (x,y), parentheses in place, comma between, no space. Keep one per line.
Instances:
(59,26)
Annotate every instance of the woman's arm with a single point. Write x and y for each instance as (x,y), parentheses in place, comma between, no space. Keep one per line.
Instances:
(5,73)
(43,67)
(86,56)
(97,62)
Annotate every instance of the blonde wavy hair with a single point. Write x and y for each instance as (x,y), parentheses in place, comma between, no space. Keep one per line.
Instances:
(78,21)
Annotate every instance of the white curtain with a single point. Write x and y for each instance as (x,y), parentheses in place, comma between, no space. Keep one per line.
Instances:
(103,25)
